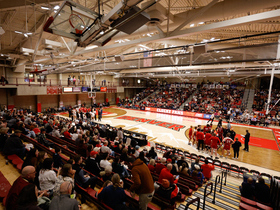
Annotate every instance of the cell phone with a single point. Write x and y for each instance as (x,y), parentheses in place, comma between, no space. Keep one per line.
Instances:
(177,177)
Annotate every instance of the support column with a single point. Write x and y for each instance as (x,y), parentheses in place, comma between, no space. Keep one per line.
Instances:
(270,88)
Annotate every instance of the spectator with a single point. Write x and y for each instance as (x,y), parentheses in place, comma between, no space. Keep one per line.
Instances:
(66,134)
(168,191)
(113,195)
(57,160)
(151,165)
(3,137)
(42,139)
(247,189)
(165,174)
(47,176)
(152,154)
(207,169)
(184,169)
(197,175)
(143,183)
(14,145)
(196,162)
(63,201)
(81,178)
(27,199)
(181,161)
(27,177)
(105,162)
(82,148)
(160,166)
(55,132)
(119,168)
(66,174)
(31,158)
(3,80)
(92,164)
(107,173)
(262,191)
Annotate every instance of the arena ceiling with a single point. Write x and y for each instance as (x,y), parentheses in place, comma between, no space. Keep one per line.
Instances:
(184,38)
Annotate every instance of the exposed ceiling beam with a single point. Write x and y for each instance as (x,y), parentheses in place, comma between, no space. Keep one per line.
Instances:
(7,4)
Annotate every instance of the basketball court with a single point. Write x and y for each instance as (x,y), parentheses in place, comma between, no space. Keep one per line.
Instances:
(171,130)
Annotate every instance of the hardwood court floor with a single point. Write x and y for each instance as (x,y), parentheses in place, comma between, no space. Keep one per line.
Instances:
(255,158)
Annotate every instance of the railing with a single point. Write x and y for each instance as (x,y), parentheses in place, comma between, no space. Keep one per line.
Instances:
(192,201)
(206,194)
(15,81)
(217,181)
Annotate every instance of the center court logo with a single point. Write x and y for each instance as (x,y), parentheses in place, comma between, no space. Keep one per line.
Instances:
(172,126)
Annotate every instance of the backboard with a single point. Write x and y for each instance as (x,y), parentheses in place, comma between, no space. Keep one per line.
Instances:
(71,20)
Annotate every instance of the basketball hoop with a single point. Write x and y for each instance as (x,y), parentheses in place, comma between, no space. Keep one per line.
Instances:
(77,23)
(91,95)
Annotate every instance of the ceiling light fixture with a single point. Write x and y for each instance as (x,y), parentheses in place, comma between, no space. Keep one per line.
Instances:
(45,8)
(56,7)
(201,23)
(192,25)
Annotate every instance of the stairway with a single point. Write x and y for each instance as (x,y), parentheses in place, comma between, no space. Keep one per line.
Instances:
(229,198)
(188,100)
(248,98)
(151,95)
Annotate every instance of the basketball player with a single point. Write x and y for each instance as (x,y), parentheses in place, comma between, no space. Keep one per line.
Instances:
(215,141)
(190,134)
(227,141)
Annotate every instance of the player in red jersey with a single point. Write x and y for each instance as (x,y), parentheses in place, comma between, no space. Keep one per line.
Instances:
(227,141)
(207,141)
(194,135)
(190,134)
(215,141)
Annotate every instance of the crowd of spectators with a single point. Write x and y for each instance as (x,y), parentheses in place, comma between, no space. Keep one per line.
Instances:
(95,144)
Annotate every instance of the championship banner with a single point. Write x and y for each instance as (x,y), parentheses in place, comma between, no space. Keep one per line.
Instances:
(52,90)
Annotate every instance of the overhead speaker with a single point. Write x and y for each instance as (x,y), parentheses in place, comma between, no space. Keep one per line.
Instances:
(199,49)
(133,24)
(119,58)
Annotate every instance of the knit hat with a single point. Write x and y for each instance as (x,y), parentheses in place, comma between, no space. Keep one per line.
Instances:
(92,153)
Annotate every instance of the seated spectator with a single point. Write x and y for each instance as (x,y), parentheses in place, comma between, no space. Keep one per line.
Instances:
(196,162)
(181,161)
(206,170)
(63,201)
(104,162)
(66,134)
(160,166)
(105,184)
(151,165)
(152,154)
(42,139)
(105,148)
(31,158)
(26,178)
(262,191)
(119,168)
(3,137)
(92,164)
(197,175)
(168,191)
(47,176)
(165,174)
(36,130)
(55,132)
(57,160)
(184,169)
(247,189)
(107,173)
(113,195)
(14,145)
(81,177)
(82,148)
(28,198)
(65,174)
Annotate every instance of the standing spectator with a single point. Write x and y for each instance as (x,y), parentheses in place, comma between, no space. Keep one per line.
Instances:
(120,134)
(99,115)
(247,139)
(143,183)
(63,201)
(14,145)
(3,80)
(27,177)
(236,147)
(206,170)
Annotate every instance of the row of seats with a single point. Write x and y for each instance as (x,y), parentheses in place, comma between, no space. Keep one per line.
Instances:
(247,204)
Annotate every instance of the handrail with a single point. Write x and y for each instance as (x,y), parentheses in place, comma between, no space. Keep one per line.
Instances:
(192,201)
(217,180)
(206,194)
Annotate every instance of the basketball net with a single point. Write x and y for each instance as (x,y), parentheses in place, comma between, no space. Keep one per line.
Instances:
(77,23)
